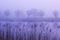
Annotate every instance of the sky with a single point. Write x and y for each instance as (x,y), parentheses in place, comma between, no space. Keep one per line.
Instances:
(48,6)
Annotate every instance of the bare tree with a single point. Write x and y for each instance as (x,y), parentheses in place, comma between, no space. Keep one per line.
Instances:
(7,13)
(19,14)
(55,13)
(32,13)
(41,13)
(29,13)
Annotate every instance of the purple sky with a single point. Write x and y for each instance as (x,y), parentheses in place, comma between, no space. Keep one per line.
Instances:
(48,6)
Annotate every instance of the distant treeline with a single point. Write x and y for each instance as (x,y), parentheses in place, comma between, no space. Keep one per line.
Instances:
(33,13)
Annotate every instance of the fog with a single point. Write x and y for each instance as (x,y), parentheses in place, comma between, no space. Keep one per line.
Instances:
(48,6)
(23,29)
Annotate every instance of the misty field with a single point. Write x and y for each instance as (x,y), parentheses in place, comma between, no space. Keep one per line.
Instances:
(30,26)
(29,31)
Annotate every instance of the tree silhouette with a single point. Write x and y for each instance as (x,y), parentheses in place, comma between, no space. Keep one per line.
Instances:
(7,13)
(55,13)
(19,14)
(41,13)
(32,13)
(29,13)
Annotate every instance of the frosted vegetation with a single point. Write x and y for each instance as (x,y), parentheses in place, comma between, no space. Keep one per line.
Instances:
(19,30)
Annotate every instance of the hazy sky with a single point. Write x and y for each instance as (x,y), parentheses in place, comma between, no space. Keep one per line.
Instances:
(46,5)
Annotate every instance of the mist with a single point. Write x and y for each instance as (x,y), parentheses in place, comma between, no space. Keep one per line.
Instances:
(48,6)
